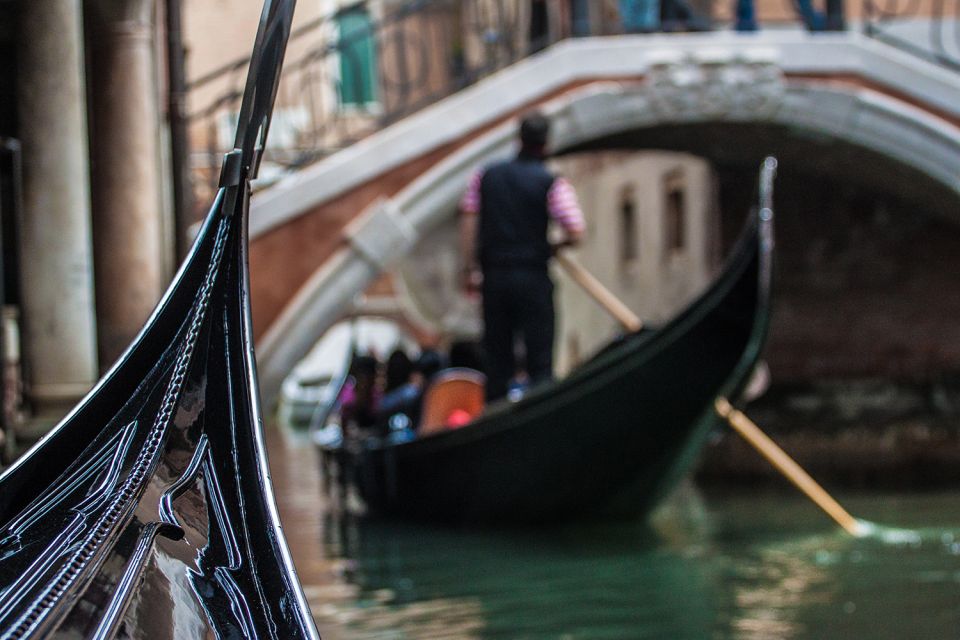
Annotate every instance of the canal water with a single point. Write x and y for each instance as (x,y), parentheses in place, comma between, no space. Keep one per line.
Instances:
(708,565)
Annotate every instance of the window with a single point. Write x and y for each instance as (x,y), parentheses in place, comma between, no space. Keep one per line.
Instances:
(628,228)
(358,57)
(573,349)
(675,213)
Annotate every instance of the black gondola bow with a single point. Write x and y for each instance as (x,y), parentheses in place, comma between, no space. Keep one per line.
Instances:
(148,511)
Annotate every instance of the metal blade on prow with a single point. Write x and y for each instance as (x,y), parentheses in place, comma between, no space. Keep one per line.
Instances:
(88,521)
(256,109)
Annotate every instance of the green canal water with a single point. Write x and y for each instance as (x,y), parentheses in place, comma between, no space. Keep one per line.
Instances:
(709,565)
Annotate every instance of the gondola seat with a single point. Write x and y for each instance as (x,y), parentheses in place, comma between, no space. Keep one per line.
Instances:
(454,398)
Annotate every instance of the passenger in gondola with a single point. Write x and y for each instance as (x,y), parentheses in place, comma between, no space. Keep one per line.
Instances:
(401,405)
(428,364)
(361,396)
(398,370)
(506,213)
(466,354)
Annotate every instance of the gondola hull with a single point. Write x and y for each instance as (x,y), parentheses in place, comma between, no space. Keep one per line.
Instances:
(148,511)
(609,440)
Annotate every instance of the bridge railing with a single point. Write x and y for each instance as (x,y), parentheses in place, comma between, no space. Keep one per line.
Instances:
(361,68)
(929,29)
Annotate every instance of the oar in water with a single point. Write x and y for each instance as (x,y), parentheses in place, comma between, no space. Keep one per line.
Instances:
(736,419)
(788,467)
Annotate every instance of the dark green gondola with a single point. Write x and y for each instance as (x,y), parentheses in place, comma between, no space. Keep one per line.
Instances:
(609,440)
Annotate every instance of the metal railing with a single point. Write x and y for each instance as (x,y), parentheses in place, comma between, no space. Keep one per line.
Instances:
(355,71)
(351,73)
(929,29)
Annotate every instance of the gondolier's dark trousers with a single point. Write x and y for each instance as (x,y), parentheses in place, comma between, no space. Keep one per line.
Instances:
(517,306)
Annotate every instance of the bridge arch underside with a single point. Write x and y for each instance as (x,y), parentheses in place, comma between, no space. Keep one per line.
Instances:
(868,229)
(867,251)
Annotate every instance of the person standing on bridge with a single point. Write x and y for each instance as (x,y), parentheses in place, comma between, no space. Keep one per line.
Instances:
(506,212)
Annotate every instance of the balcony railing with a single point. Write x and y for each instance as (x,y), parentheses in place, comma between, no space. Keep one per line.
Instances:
(354,72)
(929,29)
(357,70)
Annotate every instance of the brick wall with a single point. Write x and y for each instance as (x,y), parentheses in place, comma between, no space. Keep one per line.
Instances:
(866,285)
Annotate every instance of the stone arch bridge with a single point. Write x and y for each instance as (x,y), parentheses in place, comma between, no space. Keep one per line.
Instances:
(320,236)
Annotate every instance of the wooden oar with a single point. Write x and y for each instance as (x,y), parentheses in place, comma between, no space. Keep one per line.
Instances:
(787,466)
(736,419)
(601,294)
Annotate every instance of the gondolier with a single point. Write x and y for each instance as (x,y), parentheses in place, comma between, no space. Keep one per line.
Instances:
(611,438)
(506,212)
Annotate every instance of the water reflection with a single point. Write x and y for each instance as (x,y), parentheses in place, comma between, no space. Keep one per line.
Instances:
(772,587)
(572,582)
(791,577)
(741,568)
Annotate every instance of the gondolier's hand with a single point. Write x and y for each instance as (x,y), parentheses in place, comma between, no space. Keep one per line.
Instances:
(556,247)
(471,279)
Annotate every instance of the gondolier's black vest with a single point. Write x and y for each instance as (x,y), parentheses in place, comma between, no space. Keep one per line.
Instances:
(513,214)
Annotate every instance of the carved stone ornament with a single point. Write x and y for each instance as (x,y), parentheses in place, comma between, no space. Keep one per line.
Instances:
(726,86)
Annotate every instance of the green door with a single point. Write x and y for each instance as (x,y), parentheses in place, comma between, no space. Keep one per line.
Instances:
(358,58)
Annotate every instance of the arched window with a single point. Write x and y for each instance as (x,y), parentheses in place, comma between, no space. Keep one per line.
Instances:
(675,223)
(629,240)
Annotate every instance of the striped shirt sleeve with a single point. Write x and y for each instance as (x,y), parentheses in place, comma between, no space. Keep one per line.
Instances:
(563,206)
(470,202)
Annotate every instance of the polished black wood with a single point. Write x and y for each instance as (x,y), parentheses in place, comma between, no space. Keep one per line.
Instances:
(609,440)
(148,512)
